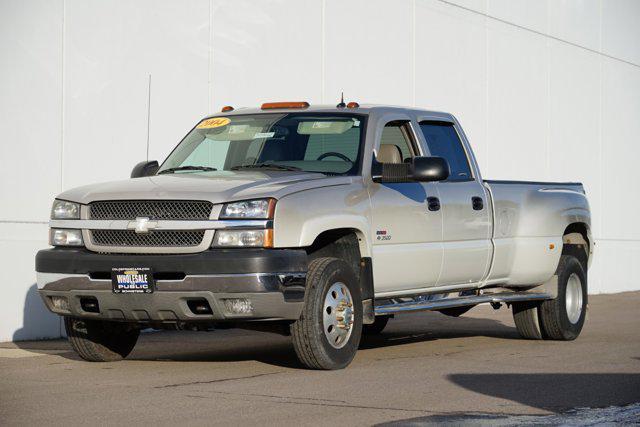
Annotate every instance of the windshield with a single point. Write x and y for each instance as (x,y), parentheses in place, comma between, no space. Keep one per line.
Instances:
(328,143)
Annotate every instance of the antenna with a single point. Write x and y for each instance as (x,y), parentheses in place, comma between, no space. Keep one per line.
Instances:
(341,104)
(148,115)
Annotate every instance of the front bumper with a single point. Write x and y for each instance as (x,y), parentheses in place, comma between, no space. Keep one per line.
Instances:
(273,281)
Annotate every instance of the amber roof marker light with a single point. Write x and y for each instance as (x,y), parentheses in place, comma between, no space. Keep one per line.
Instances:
(227,108)
(353,105)
(282,105)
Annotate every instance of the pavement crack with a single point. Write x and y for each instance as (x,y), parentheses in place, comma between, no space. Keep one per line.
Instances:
(220,380)
(314,402)
(273,396)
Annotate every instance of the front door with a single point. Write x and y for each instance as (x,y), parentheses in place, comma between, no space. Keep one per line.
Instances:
(407,245)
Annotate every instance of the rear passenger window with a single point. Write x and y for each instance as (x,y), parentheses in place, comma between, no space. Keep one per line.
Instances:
(442,140)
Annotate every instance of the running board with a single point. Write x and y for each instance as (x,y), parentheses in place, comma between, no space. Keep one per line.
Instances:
(461,301)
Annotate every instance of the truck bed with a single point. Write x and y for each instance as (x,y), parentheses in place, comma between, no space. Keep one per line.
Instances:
(529,220)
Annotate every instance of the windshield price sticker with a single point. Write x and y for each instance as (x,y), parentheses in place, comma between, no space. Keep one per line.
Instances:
(263,135)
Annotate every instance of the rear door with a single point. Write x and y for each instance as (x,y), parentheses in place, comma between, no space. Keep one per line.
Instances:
(465,207)
(407,246)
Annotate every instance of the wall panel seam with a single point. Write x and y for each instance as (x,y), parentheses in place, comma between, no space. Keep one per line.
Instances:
(542,34)
(63,94)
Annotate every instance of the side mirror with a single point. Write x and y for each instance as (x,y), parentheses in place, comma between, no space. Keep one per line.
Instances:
(429,169)
(147,168)
(422,169)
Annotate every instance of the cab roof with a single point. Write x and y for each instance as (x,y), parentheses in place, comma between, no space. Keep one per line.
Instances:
(331,108)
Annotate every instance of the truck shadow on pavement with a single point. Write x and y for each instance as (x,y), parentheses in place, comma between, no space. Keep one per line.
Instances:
(431,326)
(237,345)
(240,345)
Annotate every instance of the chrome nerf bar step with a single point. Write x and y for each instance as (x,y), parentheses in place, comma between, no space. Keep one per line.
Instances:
(459,301)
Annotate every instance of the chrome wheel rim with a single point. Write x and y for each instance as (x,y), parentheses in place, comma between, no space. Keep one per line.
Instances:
(573,298)
(337,315)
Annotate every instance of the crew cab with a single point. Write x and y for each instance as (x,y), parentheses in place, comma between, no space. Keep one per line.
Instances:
(318,222)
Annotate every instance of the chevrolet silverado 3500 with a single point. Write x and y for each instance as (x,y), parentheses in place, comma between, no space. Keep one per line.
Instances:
(317,222)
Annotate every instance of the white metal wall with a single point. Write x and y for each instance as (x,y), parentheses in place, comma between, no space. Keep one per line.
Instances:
(547,90)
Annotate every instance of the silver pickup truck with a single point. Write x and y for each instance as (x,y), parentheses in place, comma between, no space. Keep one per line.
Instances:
(317,222)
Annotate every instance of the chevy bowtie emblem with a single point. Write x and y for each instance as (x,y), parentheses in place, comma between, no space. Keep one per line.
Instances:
(142,225)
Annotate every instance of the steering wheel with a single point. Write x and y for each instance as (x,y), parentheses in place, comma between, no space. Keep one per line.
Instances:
(334,154)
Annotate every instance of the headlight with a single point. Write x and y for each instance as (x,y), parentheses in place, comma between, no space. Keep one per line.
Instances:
(249,209)
(65,210)
(65,237)
(243,238)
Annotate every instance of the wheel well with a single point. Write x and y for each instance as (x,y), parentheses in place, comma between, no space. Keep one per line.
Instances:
(340,243)
(575,241)
(345,244)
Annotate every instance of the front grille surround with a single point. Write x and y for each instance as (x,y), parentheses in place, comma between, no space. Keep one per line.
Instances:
(187,210)
(158,238)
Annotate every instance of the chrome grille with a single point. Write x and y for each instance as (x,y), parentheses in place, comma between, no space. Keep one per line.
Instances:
(129,238)
(154,209)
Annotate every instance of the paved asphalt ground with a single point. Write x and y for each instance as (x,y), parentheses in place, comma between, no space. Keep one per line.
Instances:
(425,367)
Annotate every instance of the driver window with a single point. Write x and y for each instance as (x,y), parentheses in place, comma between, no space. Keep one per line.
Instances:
(395,144)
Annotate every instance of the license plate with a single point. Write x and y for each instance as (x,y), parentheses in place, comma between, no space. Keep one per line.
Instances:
(134,280)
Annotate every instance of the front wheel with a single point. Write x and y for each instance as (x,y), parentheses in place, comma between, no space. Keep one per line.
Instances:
(328,332)
(99,340)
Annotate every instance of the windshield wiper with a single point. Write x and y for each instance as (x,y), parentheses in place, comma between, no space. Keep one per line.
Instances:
(266,166)
(188,168)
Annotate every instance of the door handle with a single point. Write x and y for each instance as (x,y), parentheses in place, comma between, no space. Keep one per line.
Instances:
(433,203)
(477,203)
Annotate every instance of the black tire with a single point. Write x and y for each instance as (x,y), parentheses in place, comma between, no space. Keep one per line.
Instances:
(525,316)
(99,340)
(377,326)
(549,319)
(309,340)
(554,320)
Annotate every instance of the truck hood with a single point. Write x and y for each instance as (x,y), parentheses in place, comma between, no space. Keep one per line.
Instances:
(216,187)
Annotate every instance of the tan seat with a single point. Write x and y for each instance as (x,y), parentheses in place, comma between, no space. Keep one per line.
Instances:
(389,153)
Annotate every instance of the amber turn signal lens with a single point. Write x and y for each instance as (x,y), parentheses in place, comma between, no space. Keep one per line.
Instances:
(227,108)
(275,105)
(268,238)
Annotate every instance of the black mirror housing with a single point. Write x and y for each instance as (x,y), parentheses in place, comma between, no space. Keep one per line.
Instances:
(421,169)
(427,169)
(146,168)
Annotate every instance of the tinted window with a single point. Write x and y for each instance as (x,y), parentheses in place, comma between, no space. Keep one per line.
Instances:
(442,140)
